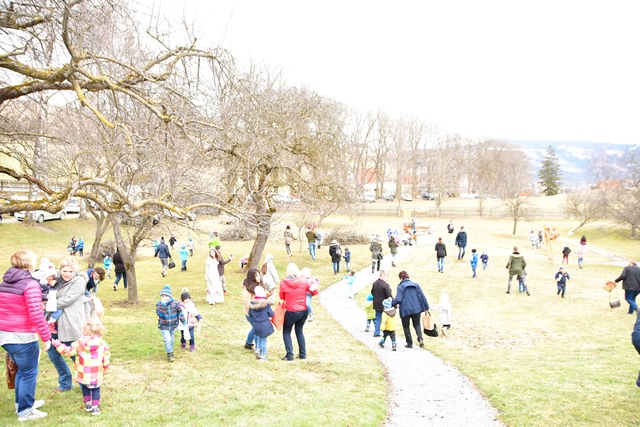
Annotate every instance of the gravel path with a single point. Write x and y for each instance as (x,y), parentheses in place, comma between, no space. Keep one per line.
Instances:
(423,390)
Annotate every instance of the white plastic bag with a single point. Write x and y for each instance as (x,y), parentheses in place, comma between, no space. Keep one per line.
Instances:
(52,302)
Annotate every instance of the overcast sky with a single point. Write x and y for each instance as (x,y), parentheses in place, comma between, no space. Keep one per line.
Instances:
(556,70)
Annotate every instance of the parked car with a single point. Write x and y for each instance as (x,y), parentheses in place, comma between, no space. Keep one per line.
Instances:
(429,196)
(370,198)
(73,206)
(406,197)
(41,215)
(389,197)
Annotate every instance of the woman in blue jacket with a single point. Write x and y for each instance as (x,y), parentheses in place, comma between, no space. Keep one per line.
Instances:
(412,303)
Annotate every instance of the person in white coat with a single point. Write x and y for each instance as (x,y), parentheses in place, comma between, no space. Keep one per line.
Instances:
(270,277)
(444,307)
(215,293)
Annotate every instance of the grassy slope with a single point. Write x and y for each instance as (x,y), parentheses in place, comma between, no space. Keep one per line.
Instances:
(541,360)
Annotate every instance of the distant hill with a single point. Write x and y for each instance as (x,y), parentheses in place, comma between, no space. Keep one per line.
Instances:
(574,156)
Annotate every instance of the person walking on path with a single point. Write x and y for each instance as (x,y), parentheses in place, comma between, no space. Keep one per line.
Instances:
(393,248)
(516,266)
(450,230)
(21,322)
(412,303)
(162,252)
(376,253)
(380,291)
(461,243)
(388,324)
(441,252)
(335,252)
(288,238)
(630,277)
(311,239)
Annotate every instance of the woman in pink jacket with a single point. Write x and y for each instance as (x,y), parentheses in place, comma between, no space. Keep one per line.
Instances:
(293,291)
(21,321)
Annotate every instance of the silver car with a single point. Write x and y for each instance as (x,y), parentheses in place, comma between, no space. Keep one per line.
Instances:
(41,215)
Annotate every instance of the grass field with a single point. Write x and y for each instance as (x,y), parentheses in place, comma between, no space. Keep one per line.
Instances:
(541,360)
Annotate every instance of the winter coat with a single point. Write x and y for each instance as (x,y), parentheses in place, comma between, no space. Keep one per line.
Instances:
(474,260)
(294,293)
(118,263)
(368,308)
(630,278)
(70,299)
(172,240)
(221,263)
(80,244)
(380,291)
(21,304)
(484,258)
(376,249)
(260,311)
(561,277)
(162,251)
(108,262)
(347,256)
(411,298)
(393,246)
(270,278)
(441,250)
(169,314)
(635,335)
(92,359)
(184,254)
(311,236)
(461,239)
(444,307)
(190,312)
(516,264)
(566,251)
(335,251)
(389,322)
(288,237)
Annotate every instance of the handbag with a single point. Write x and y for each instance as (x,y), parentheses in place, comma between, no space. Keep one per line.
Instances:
(278,315)
(171,263)
(380,256)
(10,372)
(430,329)
(616,303)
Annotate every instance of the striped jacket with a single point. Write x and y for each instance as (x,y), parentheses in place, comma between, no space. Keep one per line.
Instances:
(169,314)
(92,359)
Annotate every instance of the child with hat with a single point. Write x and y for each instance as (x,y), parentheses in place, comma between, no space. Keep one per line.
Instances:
(388,323)
(371,313)
(192,315)
(184,257)
(169,314)
(260,312)
(46,275)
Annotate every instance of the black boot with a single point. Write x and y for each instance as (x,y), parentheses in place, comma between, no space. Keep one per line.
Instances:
(170,357)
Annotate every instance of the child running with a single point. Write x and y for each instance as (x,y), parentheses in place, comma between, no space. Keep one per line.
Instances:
(192,315)
(108,263)
(561,279)
(484,258)
(388,323)
(91,361)
(261,313)
(169,314)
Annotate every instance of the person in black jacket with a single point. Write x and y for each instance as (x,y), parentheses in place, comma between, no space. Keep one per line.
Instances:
(380,291)
(335,251)
(630,277)
(635,340)
(461,243)
(121,272)
(441,252)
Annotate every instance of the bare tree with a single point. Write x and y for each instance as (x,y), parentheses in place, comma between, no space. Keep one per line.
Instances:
(586,205)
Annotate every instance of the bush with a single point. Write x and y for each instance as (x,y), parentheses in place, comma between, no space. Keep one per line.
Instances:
(237,234)
(346,236)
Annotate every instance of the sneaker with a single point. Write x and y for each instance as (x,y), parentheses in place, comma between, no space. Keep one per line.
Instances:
(257,352)
(192,348)
(409,345)
(248,346)
(170,357)
(88,407)
(381,344)
(421,343)
(37,404)
(376,335)
(95,410)
(115,287)
(508,292)
(285,358)
(394,347)
(33,415)
(311,317)
(366,329)
(183,345)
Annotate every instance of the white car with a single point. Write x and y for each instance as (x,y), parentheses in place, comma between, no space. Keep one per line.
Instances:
(406,197)
(73,206)
(41,215)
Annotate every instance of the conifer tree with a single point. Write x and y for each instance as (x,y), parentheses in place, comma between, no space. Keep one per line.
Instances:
(549,174)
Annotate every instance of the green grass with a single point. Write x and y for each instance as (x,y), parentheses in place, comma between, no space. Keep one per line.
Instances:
(541,360)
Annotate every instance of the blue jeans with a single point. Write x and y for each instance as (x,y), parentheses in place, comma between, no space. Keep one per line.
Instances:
(484,265)
(192,340)
(461,252)
(250,336)
(294,319)
(261,344)
(26,357)
(312,250)
(630,296)
(377,322)
(309,309)
(336,267)
(65,381)
(167,335)
(122,276)
(441,264)
(184,264)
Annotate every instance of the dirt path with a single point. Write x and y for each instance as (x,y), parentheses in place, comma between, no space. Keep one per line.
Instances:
(423,390)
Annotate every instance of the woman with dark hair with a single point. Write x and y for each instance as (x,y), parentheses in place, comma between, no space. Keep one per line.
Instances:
(293,291)
(96,276)
(21,321)
(412,303)
(120,270)
(253,279)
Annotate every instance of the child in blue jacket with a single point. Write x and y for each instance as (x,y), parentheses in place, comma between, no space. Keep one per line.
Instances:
(169,314)
(474,262)
(561,279)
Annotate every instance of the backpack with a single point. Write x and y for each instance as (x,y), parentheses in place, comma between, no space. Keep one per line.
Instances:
(263,269)
(338,251)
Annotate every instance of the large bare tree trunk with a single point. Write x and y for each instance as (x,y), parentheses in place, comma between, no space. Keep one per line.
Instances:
(128,255)
(264,228)
(101,227)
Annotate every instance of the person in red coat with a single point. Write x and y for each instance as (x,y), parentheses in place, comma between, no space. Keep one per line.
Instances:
(293,291)
(21,321)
